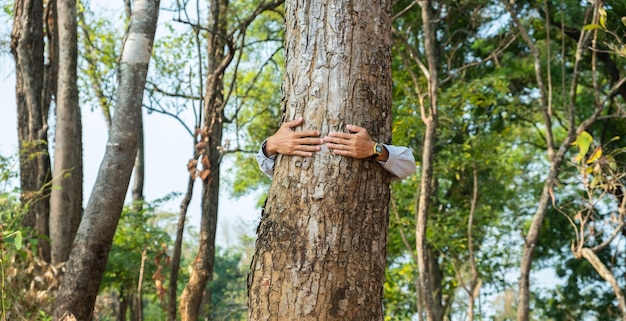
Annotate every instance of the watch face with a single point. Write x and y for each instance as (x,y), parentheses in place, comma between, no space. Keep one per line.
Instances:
(379,149)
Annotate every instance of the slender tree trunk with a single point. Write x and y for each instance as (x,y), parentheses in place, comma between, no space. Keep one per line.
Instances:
(176,255)
(202,268)
(88,258)
(123,306)
(139,170)
(474,285)
(66,199)
(321,246)
(27,47)
(556,159)
(130,298)
(139,295)
(432,306)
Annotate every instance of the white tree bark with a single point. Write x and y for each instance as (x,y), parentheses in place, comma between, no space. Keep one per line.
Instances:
(85,267)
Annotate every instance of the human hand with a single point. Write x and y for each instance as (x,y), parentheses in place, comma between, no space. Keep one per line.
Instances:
(356,144)
(286,141)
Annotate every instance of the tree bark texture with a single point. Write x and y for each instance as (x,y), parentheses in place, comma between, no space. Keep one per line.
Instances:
(66,199)
(321,246)
(202,268)
(87,260)
(431,291)
(27,47)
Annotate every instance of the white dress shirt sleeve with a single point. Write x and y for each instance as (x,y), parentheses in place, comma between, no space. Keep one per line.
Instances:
(266,163)
(400,163)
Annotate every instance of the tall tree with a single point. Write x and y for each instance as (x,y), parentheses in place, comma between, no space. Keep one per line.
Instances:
(195,299)
(429,113)
(33,97)
(573,107)
(66,199)
(93,240)
(211,140)
(320,252)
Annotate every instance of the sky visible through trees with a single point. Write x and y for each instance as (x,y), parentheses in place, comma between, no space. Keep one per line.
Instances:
(166,170)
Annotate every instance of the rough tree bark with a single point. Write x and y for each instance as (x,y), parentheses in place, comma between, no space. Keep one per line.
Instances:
(88,258)
(66,198)
(202,267)
(32,98)
(321,246)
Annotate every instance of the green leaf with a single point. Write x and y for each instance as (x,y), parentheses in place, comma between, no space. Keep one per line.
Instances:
(592,26)
(624,21)
(602,17)
(612,163)
(597,153)
(583,141)
(595,182)
(18,240)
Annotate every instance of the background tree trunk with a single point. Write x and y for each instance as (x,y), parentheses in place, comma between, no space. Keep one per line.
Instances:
(320,252)
(87,261)
(27,47)
(66,199)
(430,291)
(202,267)
(139,170)
(177,251)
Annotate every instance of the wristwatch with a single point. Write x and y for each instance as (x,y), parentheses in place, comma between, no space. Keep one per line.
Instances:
(378,149)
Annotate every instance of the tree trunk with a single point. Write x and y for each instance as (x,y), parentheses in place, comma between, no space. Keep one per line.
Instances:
(88,258)
(202,267)
(139,295)
(607,275)
(140,170)
(473,290)
(27,47)
(123,306)
(429,291)
(321,246)
(556,159)
(180,228)
(66,199)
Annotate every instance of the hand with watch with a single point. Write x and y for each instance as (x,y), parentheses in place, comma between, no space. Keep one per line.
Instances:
(356,144)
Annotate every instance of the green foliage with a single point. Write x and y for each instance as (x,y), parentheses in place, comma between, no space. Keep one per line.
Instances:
(256,99)
(26,282)
(228,288)
(489,120)
(140,235)
(100,45)
(7,8)
(399,290)
(582,296)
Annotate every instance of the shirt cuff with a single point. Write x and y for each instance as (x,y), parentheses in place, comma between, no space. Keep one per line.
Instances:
(273,157)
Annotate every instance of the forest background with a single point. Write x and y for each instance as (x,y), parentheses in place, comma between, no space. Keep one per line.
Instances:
(528,155)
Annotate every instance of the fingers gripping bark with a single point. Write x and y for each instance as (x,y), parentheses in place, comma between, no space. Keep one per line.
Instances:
(356,144)
(286,141)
